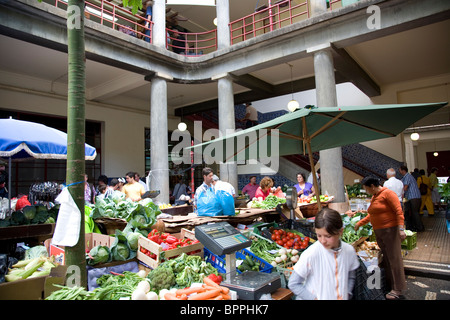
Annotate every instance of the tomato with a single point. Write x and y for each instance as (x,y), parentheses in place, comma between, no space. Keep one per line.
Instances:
(279,242)
(274,236)
(306,239)
(305,243)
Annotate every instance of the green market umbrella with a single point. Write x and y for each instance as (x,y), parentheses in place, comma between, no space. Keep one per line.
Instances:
(310,130)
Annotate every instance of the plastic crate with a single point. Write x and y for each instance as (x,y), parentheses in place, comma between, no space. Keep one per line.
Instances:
(410,242)
(361,290)
(218,262)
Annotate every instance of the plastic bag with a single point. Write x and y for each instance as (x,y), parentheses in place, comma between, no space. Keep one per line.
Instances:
(226,201)
(208,205)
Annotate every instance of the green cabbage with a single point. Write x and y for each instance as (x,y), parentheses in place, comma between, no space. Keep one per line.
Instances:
(29,212)
(133,238)
(98,254)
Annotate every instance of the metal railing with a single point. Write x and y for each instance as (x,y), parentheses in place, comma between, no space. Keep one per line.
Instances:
(265,19)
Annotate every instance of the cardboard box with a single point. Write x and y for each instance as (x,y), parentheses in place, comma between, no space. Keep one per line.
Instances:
(34,288)
(91,240)
(167,254)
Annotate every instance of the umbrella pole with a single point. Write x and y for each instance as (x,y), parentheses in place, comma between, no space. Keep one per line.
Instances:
(311,163)
(9,187)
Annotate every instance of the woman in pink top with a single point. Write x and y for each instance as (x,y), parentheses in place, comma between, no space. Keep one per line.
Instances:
(264,188)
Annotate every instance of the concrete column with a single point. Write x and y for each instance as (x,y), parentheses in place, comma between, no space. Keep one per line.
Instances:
(159,23)
(331,167)
(159,152)
(223,20)
(317,6)
(228,171)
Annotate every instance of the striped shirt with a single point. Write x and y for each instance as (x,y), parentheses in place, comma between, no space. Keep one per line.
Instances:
(412,192)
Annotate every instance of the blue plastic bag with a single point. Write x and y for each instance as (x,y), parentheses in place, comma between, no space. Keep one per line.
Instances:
(226,201)
(208,204)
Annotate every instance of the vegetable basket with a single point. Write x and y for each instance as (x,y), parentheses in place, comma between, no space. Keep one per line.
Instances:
(410,242)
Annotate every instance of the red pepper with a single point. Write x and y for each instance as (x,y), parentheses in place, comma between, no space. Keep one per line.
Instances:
(171,239)
(216,279)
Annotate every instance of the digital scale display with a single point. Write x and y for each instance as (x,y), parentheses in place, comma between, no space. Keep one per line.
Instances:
(221,238)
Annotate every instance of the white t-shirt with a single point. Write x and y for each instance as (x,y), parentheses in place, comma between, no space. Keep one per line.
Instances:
(225,186)
(317,265)
(253,113)
(395,185)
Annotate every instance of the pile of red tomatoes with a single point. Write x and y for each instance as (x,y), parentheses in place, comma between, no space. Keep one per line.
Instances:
(290,240)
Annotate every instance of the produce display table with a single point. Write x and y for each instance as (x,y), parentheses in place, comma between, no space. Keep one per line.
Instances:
(27,231)
(245,216)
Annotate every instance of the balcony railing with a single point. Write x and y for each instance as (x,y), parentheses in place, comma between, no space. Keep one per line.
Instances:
(265,19)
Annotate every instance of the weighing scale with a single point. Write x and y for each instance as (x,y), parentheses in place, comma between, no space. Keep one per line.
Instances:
(221,238)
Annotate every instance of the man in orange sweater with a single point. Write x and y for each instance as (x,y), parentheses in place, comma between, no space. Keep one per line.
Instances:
(386,217)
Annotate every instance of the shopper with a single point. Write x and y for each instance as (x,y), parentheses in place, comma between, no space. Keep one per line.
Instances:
(264,188)
(89,191)
(386,216)
(394,184)
(251,116)
(101,180)
(223,185)
(413,199)
(425,200)
(304,188)
(327,269)
(250,188)
(133,189)
(148,6)
(434,182)
(178,42)
(180,189)
(137,177)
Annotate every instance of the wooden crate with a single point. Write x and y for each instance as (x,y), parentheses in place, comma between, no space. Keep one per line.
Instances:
(167,254)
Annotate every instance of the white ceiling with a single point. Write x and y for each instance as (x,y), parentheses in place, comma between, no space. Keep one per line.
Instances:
(414,54)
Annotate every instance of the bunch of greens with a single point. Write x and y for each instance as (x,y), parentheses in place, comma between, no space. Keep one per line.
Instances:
(114,287)
(270,202)
(181,272)
(35,214)
(350,235)
(141,215)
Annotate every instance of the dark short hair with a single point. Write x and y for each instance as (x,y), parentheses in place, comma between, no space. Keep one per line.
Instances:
(114,182)
(370,180)
(328,219)
(103,178)
(130,174)
(206,171)
(302,174)
(404,168)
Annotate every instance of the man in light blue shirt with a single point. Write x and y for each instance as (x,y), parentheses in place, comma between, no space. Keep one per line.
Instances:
(413,198)
(207,184)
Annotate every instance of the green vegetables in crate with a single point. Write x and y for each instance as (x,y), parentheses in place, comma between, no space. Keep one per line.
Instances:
(98,254)
(270,202)
(350,234)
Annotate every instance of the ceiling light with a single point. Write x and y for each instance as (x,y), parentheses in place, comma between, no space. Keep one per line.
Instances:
(415,136)
(435,154)
(182,126)
(215,21)
(293,105)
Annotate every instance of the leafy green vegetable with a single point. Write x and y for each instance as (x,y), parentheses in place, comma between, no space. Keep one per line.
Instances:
(29,212)
(98,254)
(270,202)
(350,235)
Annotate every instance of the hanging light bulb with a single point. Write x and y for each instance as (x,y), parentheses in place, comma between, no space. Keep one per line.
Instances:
(182,126)
(215,21)
(415,136)
(293,105)
(435,154)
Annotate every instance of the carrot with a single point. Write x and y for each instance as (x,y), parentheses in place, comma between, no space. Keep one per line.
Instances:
(225,296)
(205,295)
(190,290)
(172,296)
(208,282)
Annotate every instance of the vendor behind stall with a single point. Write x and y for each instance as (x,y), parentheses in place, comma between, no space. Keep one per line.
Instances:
(264,189)
(304,188)
(207,174)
